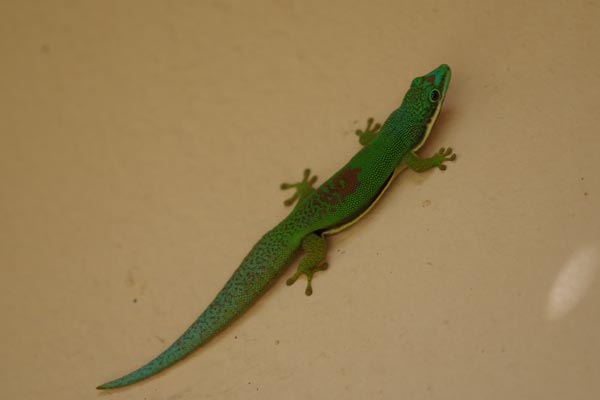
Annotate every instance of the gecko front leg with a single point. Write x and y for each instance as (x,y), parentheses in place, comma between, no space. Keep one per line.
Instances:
(419,164)
(364,137)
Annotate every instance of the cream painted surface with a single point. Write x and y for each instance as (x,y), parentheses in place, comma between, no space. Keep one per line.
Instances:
(142,144)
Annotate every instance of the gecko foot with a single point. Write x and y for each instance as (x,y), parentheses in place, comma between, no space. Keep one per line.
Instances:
(309,272)
(303,188)
(315,250)
(364,137)
(444,154)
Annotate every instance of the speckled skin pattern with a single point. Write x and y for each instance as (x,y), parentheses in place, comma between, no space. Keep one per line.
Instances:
(337,203)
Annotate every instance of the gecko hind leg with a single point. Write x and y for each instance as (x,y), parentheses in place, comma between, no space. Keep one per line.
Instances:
(303,188)
(315,250)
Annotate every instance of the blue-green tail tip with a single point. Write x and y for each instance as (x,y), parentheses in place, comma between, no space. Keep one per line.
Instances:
(106,385)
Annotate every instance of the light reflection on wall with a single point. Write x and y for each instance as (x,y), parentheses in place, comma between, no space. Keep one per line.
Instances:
(573,281)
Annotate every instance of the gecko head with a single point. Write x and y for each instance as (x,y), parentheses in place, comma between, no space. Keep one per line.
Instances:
(424,99)
(427,93)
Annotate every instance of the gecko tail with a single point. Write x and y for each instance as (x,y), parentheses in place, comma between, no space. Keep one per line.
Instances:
(256,273)
(196,335)
(177,351)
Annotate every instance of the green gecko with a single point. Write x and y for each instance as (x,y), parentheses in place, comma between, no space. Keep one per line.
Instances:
(335,205)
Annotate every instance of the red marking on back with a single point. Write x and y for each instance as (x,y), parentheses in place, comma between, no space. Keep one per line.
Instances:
(342,185)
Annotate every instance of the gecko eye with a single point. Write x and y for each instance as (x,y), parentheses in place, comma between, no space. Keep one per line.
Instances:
(434,96)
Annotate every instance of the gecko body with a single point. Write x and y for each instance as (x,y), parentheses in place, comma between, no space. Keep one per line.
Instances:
(333,206)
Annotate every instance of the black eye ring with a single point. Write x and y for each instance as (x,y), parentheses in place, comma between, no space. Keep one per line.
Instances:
(434,96)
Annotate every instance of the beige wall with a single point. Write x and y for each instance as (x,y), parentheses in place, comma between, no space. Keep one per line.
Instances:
(141,148)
